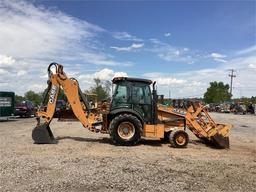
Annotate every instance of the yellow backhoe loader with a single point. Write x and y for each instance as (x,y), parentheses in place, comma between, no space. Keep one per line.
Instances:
(132,113)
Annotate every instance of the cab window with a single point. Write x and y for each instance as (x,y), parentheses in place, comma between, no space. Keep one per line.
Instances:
(120,95)
(141,94)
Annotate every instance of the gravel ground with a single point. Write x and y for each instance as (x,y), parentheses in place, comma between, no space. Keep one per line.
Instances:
(85,161)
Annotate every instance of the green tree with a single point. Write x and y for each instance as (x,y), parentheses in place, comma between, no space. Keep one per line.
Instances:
(18,99)
(107,86)
(101,89)
(253,99)
(218,92)
(61,95)
(34,97)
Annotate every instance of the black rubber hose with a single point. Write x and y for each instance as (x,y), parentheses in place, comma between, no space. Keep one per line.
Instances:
(49,68)
(45,94)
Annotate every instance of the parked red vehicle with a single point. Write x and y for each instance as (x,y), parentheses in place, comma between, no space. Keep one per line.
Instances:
(25,109)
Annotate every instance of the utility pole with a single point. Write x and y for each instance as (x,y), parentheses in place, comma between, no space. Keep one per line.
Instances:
(231,80)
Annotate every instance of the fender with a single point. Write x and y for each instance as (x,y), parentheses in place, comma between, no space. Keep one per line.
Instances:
(131,111)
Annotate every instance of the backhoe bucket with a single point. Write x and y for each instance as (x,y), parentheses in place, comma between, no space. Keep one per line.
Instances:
(42,134)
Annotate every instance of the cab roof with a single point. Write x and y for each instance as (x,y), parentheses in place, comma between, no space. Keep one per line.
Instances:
(131,79)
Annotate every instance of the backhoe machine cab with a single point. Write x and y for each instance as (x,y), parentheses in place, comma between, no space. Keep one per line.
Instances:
(132,113)
(132,107)
(134,96)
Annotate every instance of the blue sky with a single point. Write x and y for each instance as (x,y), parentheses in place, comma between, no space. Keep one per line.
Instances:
(191,23)
(182,45)
(201,26)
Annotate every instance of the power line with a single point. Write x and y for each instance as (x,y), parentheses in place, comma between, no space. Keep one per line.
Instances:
(254,88)
(231,80)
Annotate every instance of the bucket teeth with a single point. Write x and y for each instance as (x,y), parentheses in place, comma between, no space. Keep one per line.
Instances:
(42,134)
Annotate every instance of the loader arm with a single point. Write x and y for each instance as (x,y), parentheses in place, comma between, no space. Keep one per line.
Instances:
(70,86)
(199,122)
(204,127)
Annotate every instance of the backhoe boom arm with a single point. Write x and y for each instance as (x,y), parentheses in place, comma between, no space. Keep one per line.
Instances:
(71,89)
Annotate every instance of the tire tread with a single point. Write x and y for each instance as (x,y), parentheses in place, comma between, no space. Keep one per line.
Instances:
(113,129)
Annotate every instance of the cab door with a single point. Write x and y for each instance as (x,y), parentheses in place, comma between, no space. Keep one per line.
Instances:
(120,98)
(141,100)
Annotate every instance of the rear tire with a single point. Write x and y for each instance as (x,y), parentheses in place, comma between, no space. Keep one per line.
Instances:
(125,129)
(178,139)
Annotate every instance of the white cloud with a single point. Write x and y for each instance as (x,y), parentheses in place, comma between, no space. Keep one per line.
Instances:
(167,34)
(129,48)
(171,53)
(240,63)
(120,74)
(125,36)
(155,41)
(252,66)
(177,55)
(169,81)
(86,80)
(247,50)
(3,72)
(102,59)
(220,60)
(218,57)
(37,87)
(6,61)
(21,73)
(194,83)
(28,31)
(108,74)
(33,36)
(165,79)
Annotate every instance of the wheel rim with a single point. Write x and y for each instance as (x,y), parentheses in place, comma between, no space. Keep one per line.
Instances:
(126,130)
(180,139)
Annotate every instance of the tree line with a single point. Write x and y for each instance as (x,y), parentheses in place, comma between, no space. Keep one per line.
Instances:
(217,92)
(101,90)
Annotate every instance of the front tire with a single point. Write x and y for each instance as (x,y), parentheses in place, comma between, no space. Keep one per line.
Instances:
(179,139)
(125,129)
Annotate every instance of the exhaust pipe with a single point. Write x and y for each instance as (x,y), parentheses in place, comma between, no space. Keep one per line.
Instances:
(42,134)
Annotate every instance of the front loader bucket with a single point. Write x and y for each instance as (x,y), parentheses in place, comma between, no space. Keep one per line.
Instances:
(42,134)
(221,138)
(220,141)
